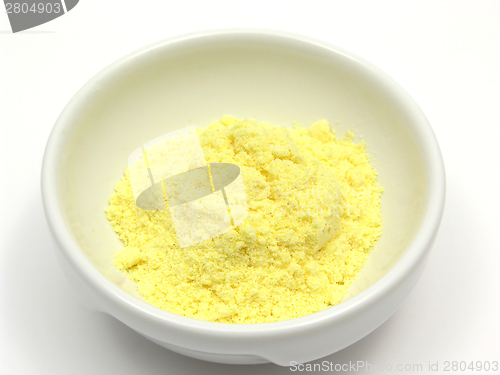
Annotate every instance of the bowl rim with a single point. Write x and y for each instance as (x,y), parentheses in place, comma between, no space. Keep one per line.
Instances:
(71,253)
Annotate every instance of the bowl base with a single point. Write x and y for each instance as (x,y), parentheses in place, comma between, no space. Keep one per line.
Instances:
(230,359)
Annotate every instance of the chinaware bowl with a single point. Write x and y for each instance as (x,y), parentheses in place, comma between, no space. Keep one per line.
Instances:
(264,75)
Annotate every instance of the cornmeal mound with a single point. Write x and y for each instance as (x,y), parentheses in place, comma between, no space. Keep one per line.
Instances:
(313,218)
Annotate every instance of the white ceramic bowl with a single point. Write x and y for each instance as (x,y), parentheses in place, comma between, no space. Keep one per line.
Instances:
(281,78)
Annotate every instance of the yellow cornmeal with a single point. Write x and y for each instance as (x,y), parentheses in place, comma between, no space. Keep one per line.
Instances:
(304,187)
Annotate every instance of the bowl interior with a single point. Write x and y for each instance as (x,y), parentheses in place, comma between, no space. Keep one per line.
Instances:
(196,80)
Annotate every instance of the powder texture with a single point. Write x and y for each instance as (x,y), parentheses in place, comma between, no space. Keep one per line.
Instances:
(313,218)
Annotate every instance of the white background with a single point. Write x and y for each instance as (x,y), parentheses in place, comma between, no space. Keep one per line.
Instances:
(446,54)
